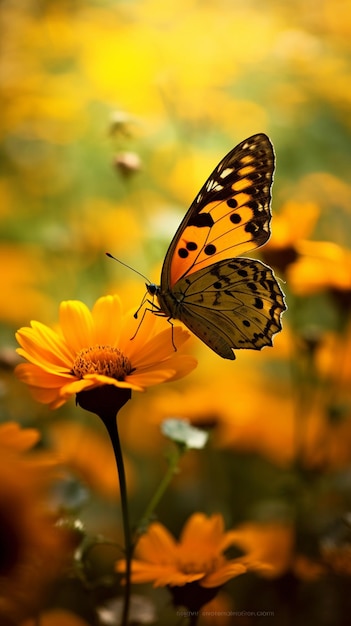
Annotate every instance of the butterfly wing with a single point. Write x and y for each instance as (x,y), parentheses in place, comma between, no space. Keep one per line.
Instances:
(230,216)
(235,303)
(227,302)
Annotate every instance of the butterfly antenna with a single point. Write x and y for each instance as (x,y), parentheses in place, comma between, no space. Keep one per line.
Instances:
(128,266)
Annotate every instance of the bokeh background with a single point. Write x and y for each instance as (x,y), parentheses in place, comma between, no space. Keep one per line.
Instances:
(113,114)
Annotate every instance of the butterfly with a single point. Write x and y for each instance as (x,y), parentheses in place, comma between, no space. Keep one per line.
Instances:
(227,301)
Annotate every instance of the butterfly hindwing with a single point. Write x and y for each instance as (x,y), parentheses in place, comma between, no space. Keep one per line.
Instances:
(235,303)
(230,215)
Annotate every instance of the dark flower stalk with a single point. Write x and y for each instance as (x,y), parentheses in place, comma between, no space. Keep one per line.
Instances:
(105,402)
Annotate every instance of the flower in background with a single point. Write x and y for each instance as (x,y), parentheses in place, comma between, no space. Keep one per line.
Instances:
(195,567)
(85,452)
(322,266)
(96,348)
(282,250)
(272,543)
(261,422)
(56,617)
(309,266)
(32,549)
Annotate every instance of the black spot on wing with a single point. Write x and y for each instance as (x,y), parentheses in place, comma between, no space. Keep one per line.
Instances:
(235,218)
(242,273)
(183,253)
(201,220)
(210,249)
(191,245)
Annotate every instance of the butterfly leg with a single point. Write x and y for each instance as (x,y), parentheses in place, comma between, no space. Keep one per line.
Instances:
(155,310)
(142,318)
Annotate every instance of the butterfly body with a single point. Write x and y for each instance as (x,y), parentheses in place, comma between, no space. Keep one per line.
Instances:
(227,301)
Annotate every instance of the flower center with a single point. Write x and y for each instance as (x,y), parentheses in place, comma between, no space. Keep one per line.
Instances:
(103,360)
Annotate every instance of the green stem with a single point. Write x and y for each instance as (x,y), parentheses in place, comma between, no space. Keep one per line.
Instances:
(112,429)
(167,478)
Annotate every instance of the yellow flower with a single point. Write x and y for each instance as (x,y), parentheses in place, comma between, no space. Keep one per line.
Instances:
(96,348)
(197,557)
(282,250)
(309,266)
(322,266)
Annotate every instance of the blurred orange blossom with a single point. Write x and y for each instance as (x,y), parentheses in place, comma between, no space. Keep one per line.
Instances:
(32,549)
(86,453)
(198,556)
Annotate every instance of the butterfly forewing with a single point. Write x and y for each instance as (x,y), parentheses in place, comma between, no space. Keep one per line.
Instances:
(231,214)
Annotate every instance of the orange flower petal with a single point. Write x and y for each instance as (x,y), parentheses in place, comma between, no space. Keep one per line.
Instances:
(157,546)
(160,575)
(222,575)
(159,347)
(201,528)
(77,324)
(35,376)
(41,344)
(107,315)
(14,437)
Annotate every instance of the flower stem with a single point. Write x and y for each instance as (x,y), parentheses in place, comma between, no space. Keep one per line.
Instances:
(106,401)
(167,478)
(112,429)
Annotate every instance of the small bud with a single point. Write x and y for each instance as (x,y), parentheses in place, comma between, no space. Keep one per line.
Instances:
(127,163)
(120,123)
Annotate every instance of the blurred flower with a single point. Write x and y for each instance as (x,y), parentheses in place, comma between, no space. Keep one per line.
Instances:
(283,247)
(57,617)
(23,282)
(272,543)
(322,266)
(309,266)
(32,549)
(198,556)
(335,348)
(86,452)
(261,422)
(94,348)
(17,439)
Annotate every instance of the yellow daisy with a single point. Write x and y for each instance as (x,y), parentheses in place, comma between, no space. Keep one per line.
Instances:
(100,347)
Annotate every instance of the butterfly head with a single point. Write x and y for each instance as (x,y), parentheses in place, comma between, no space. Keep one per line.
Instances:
(152,289)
